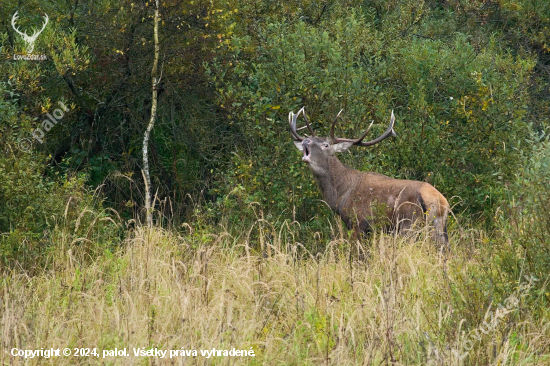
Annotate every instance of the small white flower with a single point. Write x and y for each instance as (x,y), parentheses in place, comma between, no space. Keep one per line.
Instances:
(451,98)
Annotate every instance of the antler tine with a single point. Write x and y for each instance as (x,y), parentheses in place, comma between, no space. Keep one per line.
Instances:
(389,132)
(334,124)
(365,134)
(292,118)
(292,121)
(307,122)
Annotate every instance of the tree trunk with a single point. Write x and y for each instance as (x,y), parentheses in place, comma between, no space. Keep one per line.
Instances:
(155,82)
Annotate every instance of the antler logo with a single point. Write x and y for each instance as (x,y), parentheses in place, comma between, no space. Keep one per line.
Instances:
(28,39)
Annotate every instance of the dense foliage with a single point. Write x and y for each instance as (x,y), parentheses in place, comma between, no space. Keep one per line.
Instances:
(467,81)
(461,112)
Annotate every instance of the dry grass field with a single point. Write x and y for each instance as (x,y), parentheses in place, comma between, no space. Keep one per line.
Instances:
(380,301)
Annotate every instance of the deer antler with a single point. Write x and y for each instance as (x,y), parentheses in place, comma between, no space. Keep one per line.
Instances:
(292,118)
(389,132)
(334,124)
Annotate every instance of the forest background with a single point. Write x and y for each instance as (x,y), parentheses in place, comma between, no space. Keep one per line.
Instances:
(468,81)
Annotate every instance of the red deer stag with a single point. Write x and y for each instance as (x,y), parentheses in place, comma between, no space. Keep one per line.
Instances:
(363,199)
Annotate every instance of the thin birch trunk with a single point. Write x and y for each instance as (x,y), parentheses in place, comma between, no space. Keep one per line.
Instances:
(155,81)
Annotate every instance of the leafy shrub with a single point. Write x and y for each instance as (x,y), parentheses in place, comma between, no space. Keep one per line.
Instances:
(460,110)
(524,220)
(35,203)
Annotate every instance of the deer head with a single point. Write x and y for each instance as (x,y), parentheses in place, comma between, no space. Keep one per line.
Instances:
(317,150)
(28,39)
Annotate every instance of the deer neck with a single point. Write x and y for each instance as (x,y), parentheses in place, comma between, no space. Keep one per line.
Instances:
(335,182)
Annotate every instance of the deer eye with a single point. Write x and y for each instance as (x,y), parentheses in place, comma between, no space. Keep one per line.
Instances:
(325,145)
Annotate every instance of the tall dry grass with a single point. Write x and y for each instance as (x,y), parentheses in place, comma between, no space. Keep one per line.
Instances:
(383,301)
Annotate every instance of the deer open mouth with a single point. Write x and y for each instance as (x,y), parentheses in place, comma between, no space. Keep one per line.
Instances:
(307,151)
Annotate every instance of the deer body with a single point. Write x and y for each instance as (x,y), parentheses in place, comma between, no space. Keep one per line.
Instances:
(365,200)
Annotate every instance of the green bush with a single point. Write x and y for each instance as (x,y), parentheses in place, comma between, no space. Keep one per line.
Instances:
(40,211)
(525,223)
(460,110)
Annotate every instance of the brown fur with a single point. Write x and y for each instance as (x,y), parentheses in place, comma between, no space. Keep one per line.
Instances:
(366,200)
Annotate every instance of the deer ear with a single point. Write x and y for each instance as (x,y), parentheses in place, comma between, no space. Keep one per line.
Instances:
(342,146)
(298,145)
